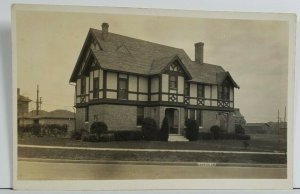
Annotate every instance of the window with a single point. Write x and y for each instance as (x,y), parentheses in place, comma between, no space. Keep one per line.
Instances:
(200,91)
(123,89)
(86,114)
(186,89)
(82,89)
(140,115)
(96,87)
(223,92)
(173,82)
(192,114)
(199,117)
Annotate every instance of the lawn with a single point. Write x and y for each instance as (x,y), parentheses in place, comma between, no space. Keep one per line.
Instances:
(258,143)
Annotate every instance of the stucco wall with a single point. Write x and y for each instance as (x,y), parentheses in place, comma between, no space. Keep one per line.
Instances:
(211,118)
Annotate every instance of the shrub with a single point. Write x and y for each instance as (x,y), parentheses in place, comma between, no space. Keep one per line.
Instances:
(191,130)
(98,128)
(215,130)
(78,134)
(239,129)
(149,129)
(227,136)
(36,129)
(127,135)
(242,137)
(205,135)
(107,137)
(90,137)
(163,134)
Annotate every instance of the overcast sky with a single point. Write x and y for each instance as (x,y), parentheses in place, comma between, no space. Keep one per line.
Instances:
(254,52)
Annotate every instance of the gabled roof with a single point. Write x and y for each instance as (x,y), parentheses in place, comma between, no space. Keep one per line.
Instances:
(223,75)
(122,53)
(23,99)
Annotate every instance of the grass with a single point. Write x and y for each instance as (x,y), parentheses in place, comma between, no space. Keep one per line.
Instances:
(262,142)
(150,156)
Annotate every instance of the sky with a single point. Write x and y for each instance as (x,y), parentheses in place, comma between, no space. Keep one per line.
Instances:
(254,52)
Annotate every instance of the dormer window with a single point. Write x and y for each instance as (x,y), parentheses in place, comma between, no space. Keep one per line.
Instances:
(173,82)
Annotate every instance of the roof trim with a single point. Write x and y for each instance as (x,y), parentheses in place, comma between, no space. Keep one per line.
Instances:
(231,79)
(177,58)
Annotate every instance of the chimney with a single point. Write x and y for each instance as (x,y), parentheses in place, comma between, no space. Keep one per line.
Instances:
(199,52)
(18,92)
(105,27)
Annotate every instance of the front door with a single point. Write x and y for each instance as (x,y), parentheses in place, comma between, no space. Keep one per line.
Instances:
(172,115)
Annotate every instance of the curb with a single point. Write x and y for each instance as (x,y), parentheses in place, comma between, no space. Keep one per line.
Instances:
(200,164)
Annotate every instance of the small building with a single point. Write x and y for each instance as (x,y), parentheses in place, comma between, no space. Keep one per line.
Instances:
(251,128)
(23,104)
(120,80)
(59,117)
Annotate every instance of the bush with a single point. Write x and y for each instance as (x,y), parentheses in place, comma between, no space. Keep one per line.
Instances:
(239,129)
(107,137)
(149,129)
(191,130)
(163,134)
(36,129)
(205,136)
(243,137)
(127,135)
(215,130)
(98,128)
(227,136)
(79,134)
(90,137)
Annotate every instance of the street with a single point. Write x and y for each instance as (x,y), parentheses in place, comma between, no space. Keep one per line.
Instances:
(29,170)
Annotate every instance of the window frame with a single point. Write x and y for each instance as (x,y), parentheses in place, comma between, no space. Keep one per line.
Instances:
(202,91)
(96,89)
(222,95)
(119,89)
(83,85)
(173,81)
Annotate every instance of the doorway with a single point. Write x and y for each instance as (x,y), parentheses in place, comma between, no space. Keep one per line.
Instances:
(172,115)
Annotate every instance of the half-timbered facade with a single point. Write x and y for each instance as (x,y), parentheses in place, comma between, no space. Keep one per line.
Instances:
(121,80)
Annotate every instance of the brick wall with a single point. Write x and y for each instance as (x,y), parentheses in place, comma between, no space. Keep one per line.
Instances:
(211,118)
(117,117)
(80,119)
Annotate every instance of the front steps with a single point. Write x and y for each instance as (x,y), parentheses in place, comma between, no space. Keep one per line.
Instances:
(173,137)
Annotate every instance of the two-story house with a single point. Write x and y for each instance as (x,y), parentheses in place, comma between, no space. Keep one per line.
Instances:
(121,80)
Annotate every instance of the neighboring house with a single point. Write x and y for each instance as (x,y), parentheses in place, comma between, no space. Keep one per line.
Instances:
(60,117)
(121,80)
(258,128)
(23,104)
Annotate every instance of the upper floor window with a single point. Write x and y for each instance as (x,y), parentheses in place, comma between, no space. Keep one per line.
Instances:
(186,89)
(200,91)
(173,82)
(82,89)
(223,92)
(123,88)
(96,87)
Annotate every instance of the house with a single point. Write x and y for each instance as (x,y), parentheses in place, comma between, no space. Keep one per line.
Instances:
(251,128)
(239,118)
(121,80)
(23,104)
(58,117)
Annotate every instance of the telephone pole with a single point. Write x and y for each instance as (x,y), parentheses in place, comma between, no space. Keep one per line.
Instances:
(37,100)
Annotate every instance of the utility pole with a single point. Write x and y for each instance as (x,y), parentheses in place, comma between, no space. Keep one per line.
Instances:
(40,103)
(37,100)
(278,128)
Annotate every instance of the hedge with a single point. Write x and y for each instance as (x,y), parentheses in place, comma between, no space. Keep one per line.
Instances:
(149,129)
(191,130)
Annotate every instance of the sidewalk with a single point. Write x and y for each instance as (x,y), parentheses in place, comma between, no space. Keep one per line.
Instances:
(200,164)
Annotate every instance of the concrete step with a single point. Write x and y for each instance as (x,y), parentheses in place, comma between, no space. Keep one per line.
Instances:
(177,138)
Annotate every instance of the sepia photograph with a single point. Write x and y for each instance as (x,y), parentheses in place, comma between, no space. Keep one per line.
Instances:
(133,94)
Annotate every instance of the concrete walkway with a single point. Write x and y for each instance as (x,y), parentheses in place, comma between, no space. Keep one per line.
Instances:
(149,150)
